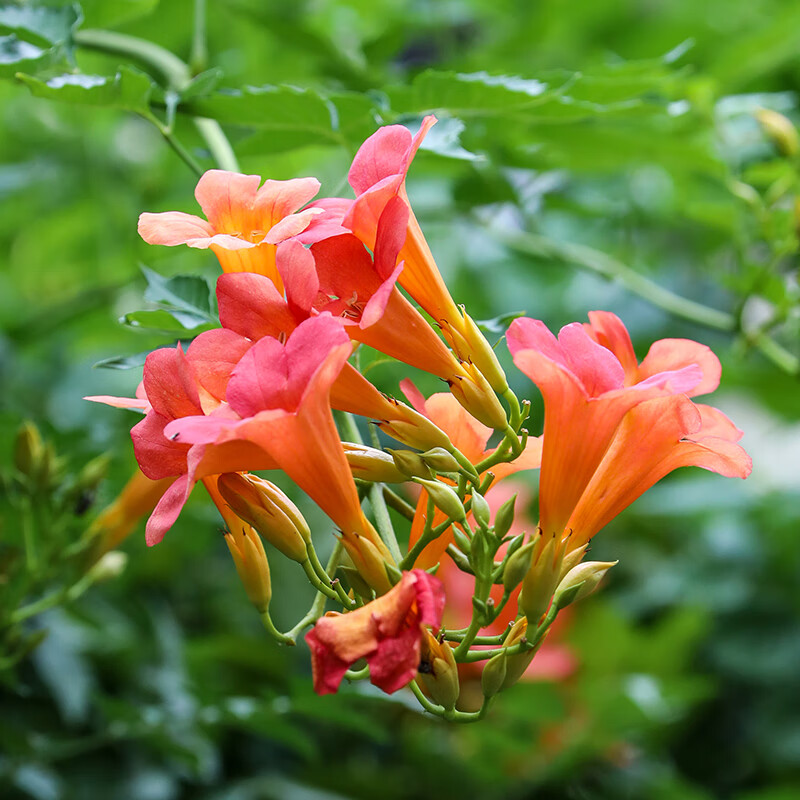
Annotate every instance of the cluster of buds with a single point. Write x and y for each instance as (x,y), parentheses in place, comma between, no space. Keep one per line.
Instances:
(304,284)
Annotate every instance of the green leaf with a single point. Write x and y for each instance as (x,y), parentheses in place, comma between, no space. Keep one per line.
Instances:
(291,117)
(190,294)
(40,25)
(103,14)
(128,89)
(122,362)
(17,55)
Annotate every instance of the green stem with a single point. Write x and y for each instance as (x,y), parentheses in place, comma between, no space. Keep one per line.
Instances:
(172,71)
(29,536)
(393,500)
(282,638)
(199,55)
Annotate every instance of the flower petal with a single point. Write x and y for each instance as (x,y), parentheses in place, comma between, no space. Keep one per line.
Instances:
(174,227)
(673,354)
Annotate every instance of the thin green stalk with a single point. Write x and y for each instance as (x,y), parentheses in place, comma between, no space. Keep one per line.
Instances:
(282,638)
(199,55)
(173,72)
(393,500)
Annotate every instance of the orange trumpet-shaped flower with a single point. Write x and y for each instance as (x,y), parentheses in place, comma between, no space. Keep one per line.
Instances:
(387,632)
(244,222)
(278,399)
(613,427)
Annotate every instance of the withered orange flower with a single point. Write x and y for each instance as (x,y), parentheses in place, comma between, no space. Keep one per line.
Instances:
(387,633)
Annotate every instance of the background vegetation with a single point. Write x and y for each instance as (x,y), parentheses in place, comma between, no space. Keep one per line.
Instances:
(589,155)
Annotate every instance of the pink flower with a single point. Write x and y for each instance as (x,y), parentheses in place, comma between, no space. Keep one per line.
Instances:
(387,632)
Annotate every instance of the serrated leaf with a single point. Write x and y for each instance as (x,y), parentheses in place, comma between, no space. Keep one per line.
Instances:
(444,139)
(162,321)
(128,89)
(41,25)
(499,324)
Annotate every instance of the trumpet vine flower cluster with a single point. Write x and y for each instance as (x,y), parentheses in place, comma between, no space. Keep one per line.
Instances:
(303,286)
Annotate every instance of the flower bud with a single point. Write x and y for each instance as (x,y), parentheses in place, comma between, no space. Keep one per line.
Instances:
(581,581)
(494,675)
(572,559)
(368,560)
(504,518)
(357,583)
(28,449)
(541,579)
(264,506)
(441,460)
(410,464)
(251,563)
(480,510)
(444,498)
(517,664)
(370,464)
(517,567)
(111,565)
(475,394)
(414,429)
(780,130)
(438,670)
(481,353)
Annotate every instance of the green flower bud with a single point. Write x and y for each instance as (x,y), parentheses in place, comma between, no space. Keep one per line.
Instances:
(517,567)
(441,460)
(28,449)
(581,581)
(494,675)
(480,510)
(410,463)
(444,498)
(504,518)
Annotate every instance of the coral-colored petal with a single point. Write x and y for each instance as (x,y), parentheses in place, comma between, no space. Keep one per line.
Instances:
(673,354)
(168,510)
(609,331)
(276,200)
(292,225)
(715,423)
(157,456)
(227,199)
(250,305)
(213,355)
(298,269)
(174,227)
(119,402)
(169,385)
(596,367)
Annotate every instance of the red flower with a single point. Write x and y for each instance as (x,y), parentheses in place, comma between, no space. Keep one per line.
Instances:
(386,632)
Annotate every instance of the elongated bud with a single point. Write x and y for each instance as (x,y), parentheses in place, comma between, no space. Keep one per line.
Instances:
(541,579)
(780,130)
(572,559)
(251,563)
(480,510)
(414,429)
(410,464)
(475,394)
(504,518)
(482,355)
(368,560)
(517,566)
(264,506)
(494,675)
(370,464)
(28,449)
(444,498)
(481,551)
(517,664)
(438,670)
(111,565)
(439,459)
(585,577)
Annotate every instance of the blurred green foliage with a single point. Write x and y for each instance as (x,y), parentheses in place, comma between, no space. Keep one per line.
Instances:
(588,155)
